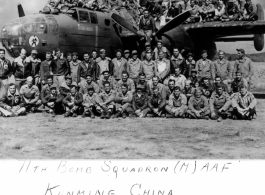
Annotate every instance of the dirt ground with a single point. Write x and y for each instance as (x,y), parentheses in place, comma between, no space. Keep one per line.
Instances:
(39,136)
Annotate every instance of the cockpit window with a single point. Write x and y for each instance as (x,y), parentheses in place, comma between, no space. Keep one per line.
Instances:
(94,19)
(83,16)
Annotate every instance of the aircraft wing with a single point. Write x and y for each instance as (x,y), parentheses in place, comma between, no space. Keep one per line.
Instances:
(222,29)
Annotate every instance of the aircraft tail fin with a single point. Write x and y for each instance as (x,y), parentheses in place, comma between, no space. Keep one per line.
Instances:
(21,12)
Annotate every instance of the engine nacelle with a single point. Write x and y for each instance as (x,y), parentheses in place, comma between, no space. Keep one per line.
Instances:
(259,38)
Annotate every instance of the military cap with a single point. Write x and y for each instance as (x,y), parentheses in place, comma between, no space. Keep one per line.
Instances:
(204,51)
(147,44)
(159,41)
(193,70)
(231,1)
(90,88)
(126,51)
(173,1)
(34,52)
(134,52)
(105,72)
(68,77)
(73,84)
(190,54)
(140,87)
(102,51)
(75,54)
(241,50)
(53,86)
(88,74)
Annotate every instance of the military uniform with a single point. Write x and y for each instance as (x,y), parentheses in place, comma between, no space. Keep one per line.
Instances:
(210,12)
(188,92)
(177,106)
(30,96)
(161,89)
(90,103)
(177,62)
(139,102)
(149,69)
(244,107)
(21,70)
(34,66)
(51,7)
(119,66)
(104,65)
(236,84)
(129,83)
(155,102)
(245,67)
(208,89)
(179,80)
(147,27)
(76,102)
(134,68)
(198,104)
(162,68)
(56,99)
(220,102)
(64,89)
(205,69)
(111,80)
(87,68)
(84,88)
(5,73)
(189,66)
(123,101)
(14,101)
(107,108)
(251,12)
(231,13)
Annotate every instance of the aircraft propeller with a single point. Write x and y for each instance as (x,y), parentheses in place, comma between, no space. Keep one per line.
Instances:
(169,26)
(21,12)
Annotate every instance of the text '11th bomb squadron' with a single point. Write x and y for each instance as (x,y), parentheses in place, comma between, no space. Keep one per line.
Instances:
(189,167)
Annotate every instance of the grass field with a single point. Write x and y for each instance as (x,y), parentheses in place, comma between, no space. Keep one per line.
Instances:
(39,136)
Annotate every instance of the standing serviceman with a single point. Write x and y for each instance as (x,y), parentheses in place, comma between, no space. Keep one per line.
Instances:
(5,72)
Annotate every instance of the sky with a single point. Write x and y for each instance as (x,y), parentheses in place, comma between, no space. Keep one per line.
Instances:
(8,11)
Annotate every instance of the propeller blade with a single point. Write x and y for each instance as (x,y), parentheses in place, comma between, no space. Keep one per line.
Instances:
(122,22)
(178,20)
(20,10)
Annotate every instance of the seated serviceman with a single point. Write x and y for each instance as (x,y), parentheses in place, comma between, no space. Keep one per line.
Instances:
(207,88)
(65,88)
(179,79)
(219,10)
(207,11)
(223,69)
(73,102)
(51,7)
(174,10)
(232,12)
(250,13)
(11,103)
(156,103)
(90,101)
(119,65)
(177,104)
(139,102)
(193,77)
(46,89)
(220,103)
(75,68)
(106,99)
(194,12)
(123,100)
(125,80)
(188,90)
(31,95)
(53,100)
(155,84)
(205,67)
(198,106)
(107,78)
(162,66)
(142,81)
(88,84)
(237,82)
(149,67)
(244,104)
(146,26)
(134,67)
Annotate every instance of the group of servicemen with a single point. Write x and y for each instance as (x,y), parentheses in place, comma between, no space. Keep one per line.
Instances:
(153,83)
(145,13)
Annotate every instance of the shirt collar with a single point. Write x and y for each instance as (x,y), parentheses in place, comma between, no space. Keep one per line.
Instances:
(9,94)
(178,58)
